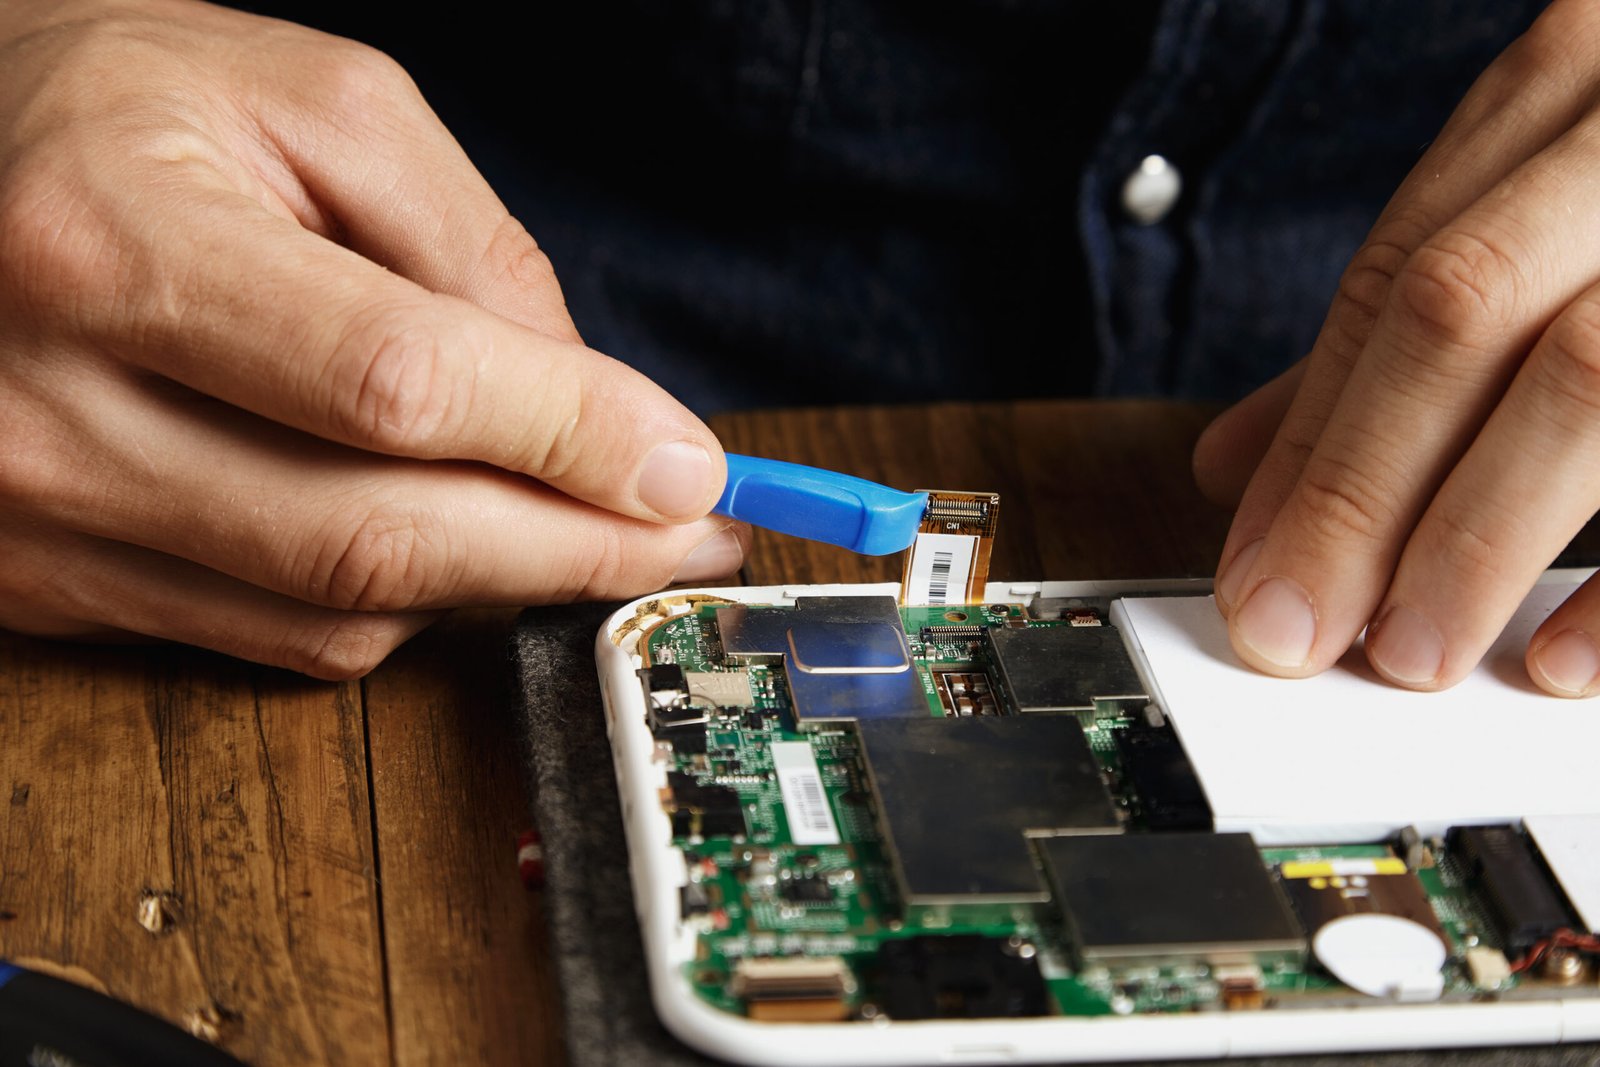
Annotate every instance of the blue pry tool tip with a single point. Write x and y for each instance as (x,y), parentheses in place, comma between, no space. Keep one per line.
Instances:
(820,505)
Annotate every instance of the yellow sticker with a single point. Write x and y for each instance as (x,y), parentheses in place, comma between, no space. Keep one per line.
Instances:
(1330,868)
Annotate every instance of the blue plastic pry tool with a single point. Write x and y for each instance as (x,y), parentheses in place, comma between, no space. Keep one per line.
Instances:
(820,505)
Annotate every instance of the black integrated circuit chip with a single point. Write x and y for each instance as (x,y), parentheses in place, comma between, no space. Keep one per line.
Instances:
(704,810)
(1524,903)
(806,889)
(688,742)
(1062,668)
(1154,898)
(1168,792)
(964,976)
(957,798)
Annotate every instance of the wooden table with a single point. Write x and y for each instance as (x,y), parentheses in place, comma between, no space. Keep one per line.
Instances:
(319,873)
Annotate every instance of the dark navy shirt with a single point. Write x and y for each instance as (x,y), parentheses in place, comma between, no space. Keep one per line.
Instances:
(774,202)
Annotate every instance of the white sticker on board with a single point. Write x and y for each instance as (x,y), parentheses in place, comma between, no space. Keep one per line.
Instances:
(941,566)
(805,802)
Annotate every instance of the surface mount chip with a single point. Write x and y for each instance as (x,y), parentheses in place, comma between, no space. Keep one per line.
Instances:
(1062,668)
(1169,793)
(957,798)
(962,976)
(753,634)
(1157,898)
(721,689)
(1523,902)
(846,658)
(762,633)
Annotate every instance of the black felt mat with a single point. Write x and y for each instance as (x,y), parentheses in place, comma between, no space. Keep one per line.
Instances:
(598,957)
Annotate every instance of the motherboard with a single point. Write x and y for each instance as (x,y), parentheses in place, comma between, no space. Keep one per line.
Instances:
(973,810)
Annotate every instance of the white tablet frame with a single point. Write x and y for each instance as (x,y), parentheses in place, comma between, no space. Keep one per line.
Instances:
(657,871)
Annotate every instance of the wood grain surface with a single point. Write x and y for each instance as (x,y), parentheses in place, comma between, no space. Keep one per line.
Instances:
(333,866)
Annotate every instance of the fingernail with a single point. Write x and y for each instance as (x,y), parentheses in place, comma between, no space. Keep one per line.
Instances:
(1405,647)
(1277,623)
(1228,588)
(676,479)
(1569,661)
(717,558)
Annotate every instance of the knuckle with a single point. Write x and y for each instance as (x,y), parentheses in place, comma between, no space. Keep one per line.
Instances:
(396,387)
(1566,365)
(360,81)
(1524,62)
(559,438)
(1471,545)
(1364,286)
(608,569)
(1546,45)
(1453,286)
(1297,439)
(381,564)
(561,451)
(513,268)
(517,258)
(346,649)
(1538,66)
(606,565)
(1344,502)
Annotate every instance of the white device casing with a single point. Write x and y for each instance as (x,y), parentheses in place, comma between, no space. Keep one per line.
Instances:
(657,871)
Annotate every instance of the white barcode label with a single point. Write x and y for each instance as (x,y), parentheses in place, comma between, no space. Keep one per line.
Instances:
(804,802)
(939,583)
(941,565)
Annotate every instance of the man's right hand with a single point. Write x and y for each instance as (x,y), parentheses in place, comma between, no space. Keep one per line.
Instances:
(279,375)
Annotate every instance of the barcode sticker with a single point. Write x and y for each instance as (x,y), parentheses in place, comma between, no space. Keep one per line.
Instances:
(941,565)
(939,583)
(804,802)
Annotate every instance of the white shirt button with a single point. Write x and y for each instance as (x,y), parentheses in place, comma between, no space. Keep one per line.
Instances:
(1150,192)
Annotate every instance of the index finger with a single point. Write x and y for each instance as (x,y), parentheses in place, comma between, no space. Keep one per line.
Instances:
(248,307)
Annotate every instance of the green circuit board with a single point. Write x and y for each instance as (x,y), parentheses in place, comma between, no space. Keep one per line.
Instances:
(890,903)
